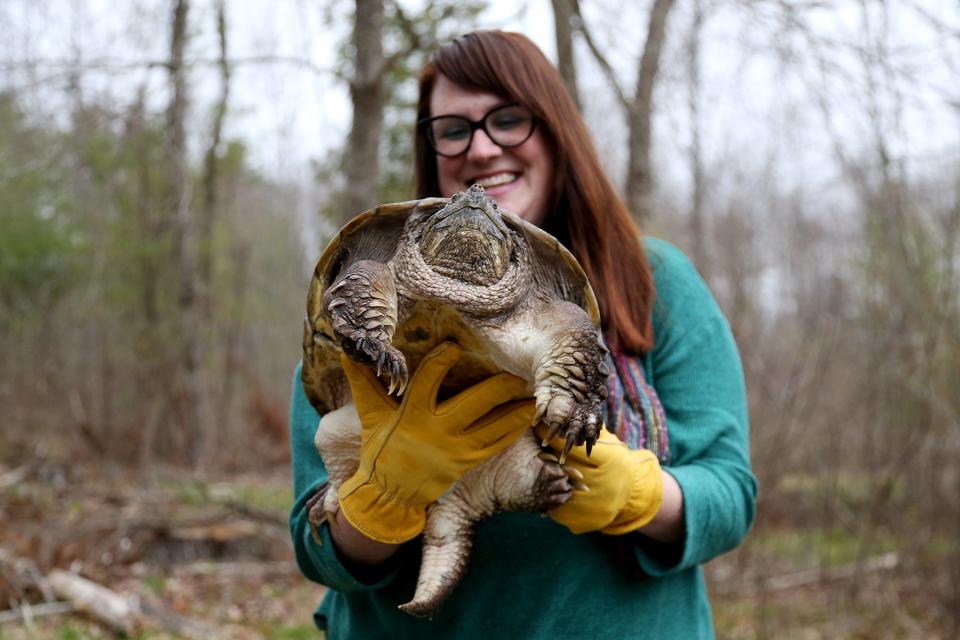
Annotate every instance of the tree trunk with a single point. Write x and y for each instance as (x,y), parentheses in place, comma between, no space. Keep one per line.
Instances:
(211,173)
(190,388)
(697,228)
(208,215)
(639,170)
(368,95)
(565,14)
(232,332)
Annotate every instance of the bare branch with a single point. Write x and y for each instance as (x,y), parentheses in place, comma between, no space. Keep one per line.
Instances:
(115,65)
(27,612)
(409,29)
(605,66)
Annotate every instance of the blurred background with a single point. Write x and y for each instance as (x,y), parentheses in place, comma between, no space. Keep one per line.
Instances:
(171,169)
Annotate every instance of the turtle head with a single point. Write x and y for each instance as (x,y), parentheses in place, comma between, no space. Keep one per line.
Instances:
(467,239)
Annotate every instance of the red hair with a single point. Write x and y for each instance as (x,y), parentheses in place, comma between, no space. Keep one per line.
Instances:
(585,213)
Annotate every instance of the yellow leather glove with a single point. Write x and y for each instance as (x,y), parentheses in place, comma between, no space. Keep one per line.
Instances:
(623,488)
(412,450)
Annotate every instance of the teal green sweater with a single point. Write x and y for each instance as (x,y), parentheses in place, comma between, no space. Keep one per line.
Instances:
(529,577)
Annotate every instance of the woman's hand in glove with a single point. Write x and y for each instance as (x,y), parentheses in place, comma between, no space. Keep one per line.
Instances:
(617,490)
(412,450)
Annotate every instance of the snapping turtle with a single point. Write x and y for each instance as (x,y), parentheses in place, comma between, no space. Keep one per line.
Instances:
(402,278)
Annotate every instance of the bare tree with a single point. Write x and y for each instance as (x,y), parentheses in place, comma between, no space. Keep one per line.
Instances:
(191,397)
(211,169)
(207,216)
(367,92)
(376,73)
(639,108)
(566,20)
(697,174)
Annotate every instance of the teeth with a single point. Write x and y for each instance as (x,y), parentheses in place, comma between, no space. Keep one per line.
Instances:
(496,180)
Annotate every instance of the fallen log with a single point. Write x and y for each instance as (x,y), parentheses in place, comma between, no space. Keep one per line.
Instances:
(127,614)
(107,607)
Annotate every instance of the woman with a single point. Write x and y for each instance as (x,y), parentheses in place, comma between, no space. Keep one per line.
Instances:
(494,111)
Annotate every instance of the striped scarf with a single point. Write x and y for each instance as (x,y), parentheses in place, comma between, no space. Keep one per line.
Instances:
(633,410)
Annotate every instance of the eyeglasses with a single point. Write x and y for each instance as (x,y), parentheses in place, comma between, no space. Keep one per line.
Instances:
(508,125)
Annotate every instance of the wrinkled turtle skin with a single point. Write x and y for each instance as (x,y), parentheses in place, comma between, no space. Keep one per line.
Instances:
(402,278)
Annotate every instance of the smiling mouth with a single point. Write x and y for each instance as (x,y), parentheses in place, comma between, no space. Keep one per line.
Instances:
(496,180)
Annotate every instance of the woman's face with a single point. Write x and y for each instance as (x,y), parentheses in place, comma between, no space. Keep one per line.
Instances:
(518,178)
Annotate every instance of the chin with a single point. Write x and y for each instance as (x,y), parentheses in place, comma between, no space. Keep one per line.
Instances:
(513,206)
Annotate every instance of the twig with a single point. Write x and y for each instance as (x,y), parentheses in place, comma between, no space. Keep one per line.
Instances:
(605,66)
(260,515)
(15,476)
(884,562)
(237,569)
(28,611)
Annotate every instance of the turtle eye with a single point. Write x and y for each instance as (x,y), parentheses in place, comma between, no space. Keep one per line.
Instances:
(456,197)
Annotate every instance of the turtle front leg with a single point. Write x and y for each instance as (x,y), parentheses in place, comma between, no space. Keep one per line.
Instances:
(570,376)
(363,309)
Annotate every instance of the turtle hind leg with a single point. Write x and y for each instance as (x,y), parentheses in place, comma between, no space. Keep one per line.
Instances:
(362,305)
(516,479)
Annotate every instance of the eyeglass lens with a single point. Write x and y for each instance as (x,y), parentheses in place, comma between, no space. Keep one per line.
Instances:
(507,126)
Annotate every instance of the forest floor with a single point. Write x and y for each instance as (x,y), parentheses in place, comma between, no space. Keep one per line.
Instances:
(211,558)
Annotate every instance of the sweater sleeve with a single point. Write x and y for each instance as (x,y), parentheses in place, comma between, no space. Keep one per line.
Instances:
(695,369)
(317,558)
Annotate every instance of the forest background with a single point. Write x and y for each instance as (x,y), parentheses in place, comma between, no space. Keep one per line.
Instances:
(171,169)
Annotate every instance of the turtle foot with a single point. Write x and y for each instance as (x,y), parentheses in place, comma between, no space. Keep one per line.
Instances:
(363,311)
(571,383)
(316,513)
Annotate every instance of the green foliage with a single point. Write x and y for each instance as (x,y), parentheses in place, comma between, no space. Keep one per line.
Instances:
(90,278)
(819,547)
(70,633)
(38,246)
(268,497)
(157,584)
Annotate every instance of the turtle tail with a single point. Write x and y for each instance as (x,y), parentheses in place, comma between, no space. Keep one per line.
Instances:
(447,541)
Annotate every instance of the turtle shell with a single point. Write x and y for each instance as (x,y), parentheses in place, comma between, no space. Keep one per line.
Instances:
(374,235)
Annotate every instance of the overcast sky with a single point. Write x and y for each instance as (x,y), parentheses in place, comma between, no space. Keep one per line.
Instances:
(776,105)
(760,110)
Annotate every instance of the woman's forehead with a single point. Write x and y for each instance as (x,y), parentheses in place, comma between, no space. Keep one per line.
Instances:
(447,97)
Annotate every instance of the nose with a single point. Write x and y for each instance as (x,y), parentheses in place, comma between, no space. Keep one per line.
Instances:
(483,148)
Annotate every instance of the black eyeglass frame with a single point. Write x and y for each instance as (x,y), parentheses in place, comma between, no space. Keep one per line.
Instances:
(424,126)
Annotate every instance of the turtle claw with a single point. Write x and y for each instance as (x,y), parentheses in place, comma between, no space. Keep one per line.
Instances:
(551,434)
(381,360)
(392,365)
(574,473)
(571,442)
